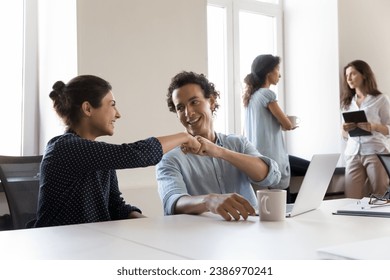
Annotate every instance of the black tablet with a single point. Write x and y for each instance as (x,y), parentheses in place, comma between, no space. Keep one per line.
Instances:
(356,117)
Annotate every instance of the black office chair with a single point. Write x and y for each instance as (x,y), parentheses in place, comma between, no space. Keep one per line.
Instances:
(385,160)
(19,176)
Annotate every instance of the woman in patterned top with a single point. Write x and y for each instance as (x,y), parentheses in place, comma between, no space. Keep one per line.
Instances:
(78,181)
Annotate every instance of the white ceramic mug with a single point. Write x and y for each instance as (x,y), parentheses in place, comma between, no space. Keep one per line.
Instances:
(272,204)
(294,120)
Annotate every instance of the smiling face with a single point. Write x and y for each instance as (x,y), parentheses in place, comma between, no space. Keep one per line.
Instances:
(354,78)
(102,119)
(194,110)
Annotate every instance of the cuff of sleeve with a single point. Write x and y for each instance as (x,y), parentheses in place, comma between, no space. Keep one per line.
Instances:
(133,208)
(273,176)
(170,204)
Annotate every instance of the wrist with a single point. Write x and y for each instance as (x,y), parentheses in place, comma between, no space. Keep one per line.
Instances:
(206,201)
(221,152)
(185,137)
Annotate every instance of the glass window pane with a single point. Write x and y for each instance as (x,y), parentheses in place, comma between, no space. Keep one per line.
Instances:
(217,69)
(257,36)
(238,31)
(11,73)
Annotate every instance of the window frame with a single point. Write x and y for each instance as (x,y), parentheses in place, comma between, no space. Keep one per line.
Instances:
(30,97)
(25,119)
(233,81)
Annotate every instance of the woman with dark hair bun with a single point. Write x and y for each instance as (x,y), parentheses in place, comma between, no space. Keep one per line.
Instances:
(264,119)
(78,182)
(360,92)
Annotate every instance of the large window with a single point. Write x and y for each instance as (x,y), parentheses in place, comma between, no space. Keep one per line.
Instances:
(11,73)
(31,62)
(19,76)
(238,31)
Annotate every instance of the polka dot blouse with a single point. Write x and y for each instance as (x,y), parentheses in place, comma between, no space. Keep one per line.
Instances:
(78,181)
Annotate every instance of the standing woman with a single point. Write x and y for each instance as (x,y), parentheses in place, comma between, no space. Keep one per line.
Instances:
(360,93)
(265,120)
(78,182)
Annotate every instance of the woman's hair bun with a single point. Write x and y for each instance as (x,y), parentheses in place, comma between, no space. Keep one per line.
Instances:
(59,85)
(58,90)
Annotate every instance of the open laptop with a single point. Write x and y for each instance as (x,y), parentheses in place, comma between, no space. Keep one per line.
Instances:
(314,184)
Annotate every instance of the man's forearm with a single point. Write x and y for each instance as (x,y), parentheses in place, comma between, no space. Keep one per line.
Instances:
(252,166)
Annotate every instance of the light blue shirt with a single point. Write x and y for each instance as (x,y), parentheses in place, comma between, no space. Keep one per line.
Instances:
(265,132)
(179,174)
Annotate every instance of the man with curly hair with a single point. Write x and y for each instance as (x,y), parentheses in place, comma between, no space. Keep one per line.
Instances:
(219,178)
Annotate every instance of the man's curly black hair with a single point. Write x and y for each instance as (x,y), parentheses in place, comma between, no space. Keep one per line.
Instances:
(184,78)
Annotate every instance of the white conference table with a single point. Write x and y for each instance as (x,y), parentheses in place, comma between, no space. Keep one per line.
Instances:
(201,237)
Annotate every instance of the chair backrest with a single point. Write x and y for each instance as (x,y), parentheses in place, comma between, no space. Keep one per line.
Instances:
(385,160)
(19,176)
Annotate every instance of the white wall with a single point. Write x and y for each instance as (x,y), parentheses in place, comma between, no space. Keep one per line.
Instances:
(138,46)
(364,34)
(311,76)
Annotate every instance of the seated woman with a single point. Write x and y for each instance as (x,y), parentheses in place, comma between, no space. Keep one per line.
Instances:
(78,182)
